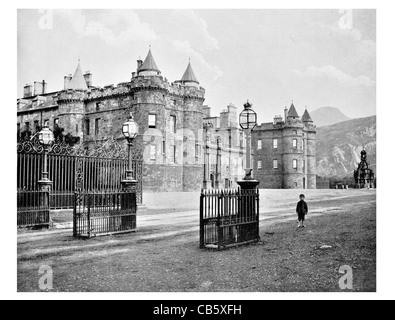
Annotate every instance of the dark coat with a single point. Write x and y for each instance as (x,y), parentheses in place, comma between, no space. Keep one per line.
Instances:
(302,207)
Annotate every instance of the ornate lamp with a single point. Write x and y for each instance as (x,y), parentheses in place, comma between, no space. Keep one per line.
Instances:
(46,137)
(130,129)
(248,117)
(248,120)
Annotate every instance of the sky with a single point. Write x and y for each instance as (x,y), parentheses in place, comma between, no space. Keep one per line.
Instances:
(313,58)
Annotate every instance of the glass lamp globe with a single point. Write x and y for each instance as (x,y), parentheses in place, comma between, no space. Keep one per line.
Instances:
(45,136)
(248,117)
(130,128)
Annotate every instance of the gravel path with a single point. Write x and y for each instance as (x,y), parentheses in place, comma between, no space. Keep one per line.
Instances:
(164,254)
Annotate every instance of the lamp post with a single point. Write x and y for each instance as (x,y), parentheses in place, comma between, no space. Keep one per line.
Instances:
(248,120)
(130,130)
(206,174)
(46,138)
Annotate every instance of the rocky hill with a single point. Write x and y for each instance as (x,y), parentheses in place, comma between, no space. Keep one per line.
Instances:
(327,116)
(339,146)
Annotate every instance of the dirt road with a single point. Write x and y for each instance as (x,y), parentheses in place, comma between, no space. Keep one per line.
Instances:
(164,254)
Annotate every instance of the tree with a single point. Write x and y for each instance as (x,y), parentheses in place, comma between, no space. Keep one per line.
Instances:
(69,139)
(57,132)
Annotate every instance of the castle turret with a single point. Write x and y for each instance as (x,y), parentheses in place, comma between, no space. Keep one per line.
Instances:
(310,149)
(306,117)
(77,82)
(292,113)
(189,78)
(285,152)
(149,67)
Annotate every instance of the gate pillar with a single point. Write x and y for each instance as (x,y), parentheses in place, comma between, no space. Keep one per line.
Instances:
(129,201)
(248,205)
(45,185)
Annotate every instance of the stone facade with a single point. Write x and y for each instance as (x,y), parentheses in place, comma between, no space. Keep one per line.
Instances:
(170,118)
(285,152)
(225,154)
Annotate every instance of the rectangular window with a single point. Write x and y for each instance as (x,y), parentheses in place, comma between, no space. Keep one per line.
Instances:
(198,150)
(275,144)
(259,144)
(46,122)
(173,124)
(36,126)
(172,154)
(97,126)
(27,126)
(87,127)
(302,144)
(76,128)
(275,164)
(98,106)
(152,120)
(295,132)
(18,127)
(164,147)
(55,123)
(259,164)
(153,153)
(295,164)
(294,143)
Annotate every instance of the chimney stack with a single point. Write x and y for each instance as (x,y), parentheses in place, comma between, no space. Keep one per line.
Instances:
(67,80)
(88,78)
(139,64)
(27,91)
(285,114)
(40,87)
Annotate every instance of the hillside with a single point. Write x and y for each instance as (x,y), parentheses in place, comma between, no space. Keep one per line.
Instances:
(327,116)
(339,146)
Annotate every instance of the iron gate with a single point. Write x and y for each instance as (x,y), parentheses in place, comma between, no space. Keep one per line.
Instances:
(97,214)
(228,218)
(74,168)
(32,209)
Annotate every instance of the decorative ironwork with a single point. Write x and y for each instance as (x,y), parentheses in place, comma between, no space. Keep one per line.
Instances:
(79,175)
(228,217)
(109,148)
(104,213)
(75,169)
(32,208)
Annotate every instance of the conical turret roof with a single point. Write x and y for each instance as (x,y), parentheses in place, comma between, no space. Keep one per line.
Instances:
(78,80)
(189,75)
(292,112)
(306,117)
(149,63)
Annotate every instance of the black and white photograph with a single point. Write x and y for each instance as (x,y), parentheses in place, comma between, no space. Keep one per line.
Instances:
(195,151)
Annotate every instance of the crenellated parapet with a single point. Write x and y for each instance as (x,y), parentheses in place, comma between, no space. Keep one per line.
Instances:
(70,96)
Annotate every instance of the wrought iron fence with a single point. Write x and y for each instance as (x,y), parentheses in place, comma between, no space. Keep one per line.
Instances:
(97,214)
(228,218)
(74,169)
(32,209)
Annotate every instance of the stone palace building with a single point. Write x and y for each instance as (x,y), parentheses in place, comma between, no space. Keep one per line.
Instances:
(285,152)
(184,147)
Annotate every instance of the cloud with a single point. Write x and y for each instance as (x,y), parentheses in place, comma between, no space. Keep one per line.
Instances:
(330,72)
(186,49)
(197,28)
(114,27)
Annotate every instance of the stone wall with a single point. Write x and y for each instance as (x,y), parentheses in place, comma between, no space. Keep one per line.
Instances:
(285,176)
